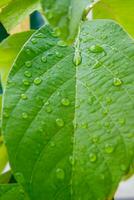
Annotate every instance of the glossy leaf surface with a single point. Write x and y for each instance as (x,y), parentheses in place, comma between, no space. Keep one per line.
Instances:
(69,129)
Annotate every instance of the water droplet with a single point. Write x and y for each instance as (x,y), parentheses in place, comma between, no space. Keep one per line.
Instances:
(109,148)
(121,121)
(24,96)
(19,177)
(26,82)
(105,112)
(24,115)
(33,40)
(95,139)
(28,63)
(48,109)
(37,81)
(60,174)
(84,125)
(27,74)
(98,64)
(61,43)
(108,100)
(28,51)
(92,157)
(57,31)
(77,58)
(59,54)
(65,102)
(107,124)
(59,122)
(96,49)
(44,59)
(52,144)
(71,160)
(90,100)
(117,82)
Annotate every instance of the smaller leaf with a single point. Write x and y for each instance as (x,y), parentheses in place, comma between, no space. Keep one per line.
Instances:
(9,49)
(64,16)
(16,11)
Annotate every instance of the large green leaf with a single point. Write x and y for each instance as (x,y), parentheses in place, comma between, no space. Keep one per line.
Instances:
(68,129)
(121,11)
(9,49)
(12,192)
(65,16)
(16,11)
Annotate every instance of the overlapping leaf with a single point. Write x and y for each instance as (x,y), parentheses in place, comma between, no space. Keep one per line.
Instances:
(68,129)
(121,11)
(16,11)
(65,16)
(9,49)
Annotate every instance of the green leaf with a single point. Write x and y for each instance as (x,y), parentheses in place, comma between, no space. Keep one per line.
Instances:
(65,16)
(120,11)
(9,49)
(5,177)
(4,3)
(12,192)
(16,11)
(68,129)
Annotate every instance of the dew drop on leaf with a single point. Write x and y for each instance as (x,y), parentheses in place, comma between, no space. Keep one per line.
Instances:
(44,59)
(77,58)
(24,115)
(65,102)
(98,64)
(28,63)
(121,121)
(105,112)
(24,96)
(61,43)
(26,82)
(108,100)
(84,125)
(96,49)
(109,148)
(71,160)
(57,31)
(117,82)
(27,74)
(19,177)
(59,54)
(95,139)
(48,109)
(33,40)
(52,144)
(59,122)
(60,174)
(37,81)
(92,157)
